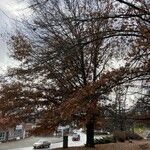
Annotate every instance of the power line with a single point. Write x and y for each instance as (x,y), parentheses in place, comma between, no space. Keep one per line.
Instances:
(9,16)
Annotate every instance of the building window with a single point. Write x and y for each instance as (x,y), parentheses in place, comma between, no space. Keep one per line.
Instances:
(2,136)
(19,133)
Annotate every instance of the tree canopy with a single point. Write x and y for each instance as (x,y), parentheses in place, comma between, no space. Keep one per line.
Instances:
(68,57)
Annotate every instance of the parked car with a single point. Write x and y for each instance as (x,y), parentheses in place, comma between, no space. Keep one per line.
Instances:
(76,137)
(41,144)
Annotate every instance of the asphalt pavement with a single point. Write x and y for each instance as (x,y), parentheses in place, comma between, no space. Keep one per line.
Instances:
(27,144)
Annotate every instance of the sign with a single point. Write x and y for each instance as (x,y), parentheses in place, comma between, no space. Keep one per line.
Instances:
(66,132)
(19,127)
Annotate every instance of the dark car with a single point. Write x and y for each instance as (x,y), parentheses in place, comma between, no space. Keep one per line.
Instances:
(76,137)
(41,144)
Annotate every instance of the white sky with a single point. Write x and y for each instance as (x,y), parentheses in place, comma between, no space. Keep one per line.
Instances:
(13,7)
(10,10)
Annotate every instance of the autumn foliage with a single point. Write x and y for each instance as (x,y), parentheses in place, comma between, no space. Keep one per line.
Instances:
(68,57)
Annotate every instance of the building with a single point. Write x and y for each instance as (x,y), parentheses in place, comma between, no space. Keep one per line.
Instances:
(10,131)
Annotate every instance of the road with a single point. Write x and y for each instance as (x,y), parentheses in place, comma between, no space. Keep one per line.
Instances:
(26,144)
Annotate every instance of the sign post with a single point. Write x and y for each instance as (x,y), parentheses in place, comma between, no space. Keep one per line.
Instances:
(65,137)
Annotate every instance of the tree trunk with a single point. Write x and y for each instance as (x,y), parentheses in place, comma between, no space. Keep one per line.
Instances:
(65,141)
(90,134)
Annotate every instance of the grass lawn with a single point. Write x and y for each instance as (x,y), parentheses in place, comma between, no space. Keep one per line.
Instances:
(135,145)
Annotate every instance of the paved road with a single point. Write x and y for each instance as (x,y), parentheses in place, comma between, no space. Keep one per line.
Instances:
(58,143)
(53,145)
(26,144)
(27,148)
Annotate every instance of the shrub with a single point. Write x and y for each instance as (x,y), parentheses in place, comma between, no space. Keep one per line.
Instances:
(133,136)
(104,140)
(121,136)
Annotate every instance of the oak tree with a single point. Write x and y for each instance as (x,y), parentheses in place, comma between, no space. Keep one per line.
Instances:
(65,59)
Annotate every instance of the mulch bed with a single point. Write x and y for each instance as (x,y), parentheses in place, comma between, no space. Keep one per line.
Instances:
(135,145)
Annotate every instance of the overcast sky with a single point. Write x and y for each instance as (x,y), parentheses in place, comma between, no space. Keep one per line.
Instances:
(10,11)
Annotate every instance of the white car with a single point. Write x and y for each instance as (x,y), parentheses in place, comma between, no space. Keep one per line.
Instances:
(41,144)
